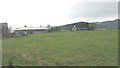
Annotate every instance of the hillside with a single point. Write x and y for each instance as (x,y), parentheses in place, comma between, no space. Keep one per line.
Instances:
(107,24)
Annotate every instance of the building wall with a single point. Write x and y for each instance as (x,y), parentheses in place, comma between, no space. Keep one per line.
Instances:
(82,26)
(23,32)
(66,27)
(54,29)
(4,29)
(92,26)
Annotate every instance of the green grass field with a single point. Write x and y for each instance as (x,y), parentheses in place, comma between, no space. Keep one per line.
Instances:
(80,48)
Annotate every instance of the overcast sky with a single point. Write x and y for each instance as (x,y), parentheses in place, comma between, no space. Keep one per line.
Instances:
(18,13)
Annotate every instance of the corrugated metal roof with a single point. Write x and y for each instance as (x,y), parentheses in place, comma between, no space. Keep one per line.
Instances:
(32,28)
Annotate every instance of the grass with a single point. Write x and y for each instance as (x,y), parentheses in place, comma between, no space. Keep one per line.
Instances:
(81,48)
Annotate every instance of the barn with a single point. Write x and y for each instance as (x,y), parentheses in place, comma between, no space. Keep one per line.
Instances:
(30,30)
(74,27)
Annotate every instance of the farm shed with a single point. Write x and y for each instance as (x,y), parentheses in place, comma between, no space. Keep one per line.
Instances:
(76,26)
(30,30)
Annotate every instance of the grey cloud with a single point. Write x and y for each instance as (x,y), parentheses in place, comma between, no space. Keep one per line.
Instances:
(94,9)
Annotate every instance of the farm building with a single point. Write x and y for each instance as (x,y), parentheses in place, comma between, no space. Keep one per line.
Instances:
(74,27)
(54,29)
(4,29)
(30,30)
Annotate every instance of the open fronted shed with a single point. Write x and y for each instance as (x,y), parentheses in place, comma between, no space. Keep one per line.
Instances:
(31,30)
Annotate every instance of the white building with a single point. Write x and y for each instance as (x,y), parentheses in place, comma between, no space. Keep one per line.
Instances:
(31,30)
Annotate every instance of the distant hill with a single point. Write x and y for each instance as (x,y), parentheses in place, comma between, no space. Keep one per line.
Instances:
(107,24)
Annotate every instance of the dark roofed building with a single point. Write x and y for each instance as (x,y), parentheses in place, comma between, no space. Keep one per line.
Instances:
(74,27)
(67,27)
(82,25)
(4,29)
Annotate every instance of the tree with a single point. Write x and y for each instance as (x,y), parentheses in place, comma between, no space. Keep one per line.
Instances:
(40,25)
(10,29)
(25,26)
(49,28)
(48,25)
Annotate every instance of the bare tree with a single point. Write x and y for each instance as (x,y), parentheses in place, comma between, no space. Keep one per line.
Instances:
(48,26)
(40,25)
(25,26)
(10,29)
